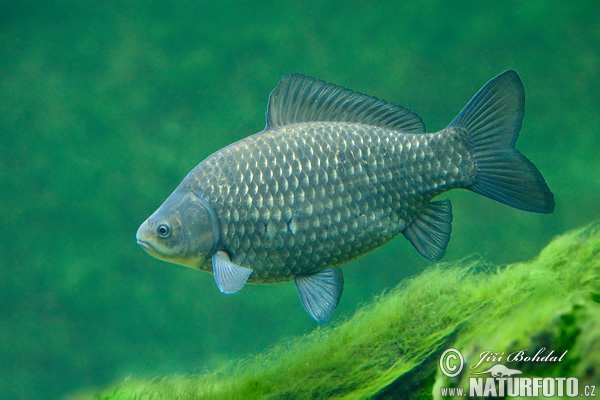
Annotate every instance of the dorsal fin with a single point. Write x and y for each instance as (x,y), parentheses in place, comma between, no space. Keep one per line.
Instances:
(298,98)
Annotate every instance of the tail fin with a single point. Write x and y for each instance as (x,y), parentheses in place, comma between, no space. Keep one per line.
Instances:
(492,120)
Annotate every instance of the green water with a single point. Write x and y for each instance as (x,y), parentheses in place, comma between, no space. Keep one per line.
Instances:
(103,109)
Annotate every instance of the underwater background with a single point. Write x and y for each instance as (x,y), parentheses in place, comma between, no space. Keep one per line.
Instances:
(104,107)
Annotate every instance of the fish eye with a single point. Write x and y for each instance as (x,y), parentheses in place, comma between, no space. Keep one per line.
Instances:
(163,230)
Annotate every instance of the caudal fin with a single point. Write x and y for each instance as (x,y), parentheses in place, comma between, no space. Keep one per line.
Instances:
(492,120)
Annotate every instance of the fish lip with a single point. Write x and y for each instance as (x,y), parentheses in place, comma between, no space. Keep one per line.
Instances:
(146,246)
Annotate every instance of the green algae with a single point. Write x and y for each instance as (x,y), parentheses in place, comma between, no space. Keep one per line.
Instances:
(390,348)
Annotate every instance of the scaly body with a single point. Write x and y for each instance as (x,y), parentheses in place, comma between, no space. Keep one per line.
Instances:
(294,200)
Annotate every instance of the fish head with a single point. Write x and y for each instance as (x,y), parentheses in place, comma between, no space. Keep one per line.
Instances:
(181,231)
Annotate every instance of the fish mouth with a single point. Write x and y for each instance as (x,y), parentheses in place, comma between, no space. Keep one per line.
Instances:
(147,247)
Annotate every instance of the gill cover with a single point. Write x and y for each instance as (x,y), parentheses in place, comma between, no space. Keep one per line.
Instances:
(193,230)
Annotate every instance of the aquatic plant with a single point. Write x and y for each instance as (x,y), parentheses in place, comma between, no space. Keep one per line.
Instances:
(390,348)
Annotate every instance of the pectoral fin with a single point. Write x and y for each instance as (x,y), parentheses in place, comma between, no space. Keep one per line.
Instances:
(430,231)
(230,278)
(320,293)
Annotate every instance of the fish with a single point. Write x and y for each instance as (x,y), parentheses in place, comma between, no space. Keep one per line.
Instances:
(333,175)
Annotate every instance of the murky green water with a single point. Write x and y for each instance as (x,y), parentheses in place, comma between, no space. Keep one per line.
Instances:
(103,109)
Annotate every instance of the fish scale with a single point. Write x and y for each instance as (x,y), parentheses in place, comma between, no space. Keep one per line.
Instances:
(296,199)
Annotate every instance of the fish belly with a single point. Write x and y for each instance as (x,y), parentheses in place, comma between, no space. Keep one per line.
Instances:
(303,197)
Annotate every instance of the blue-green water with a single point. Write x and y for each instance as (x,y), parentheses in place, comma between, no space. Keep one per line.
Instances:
(103,109)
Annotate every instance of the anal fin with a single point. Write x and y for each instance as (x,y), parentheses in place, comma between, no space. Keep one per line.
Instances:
(430,231)
(320,293)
